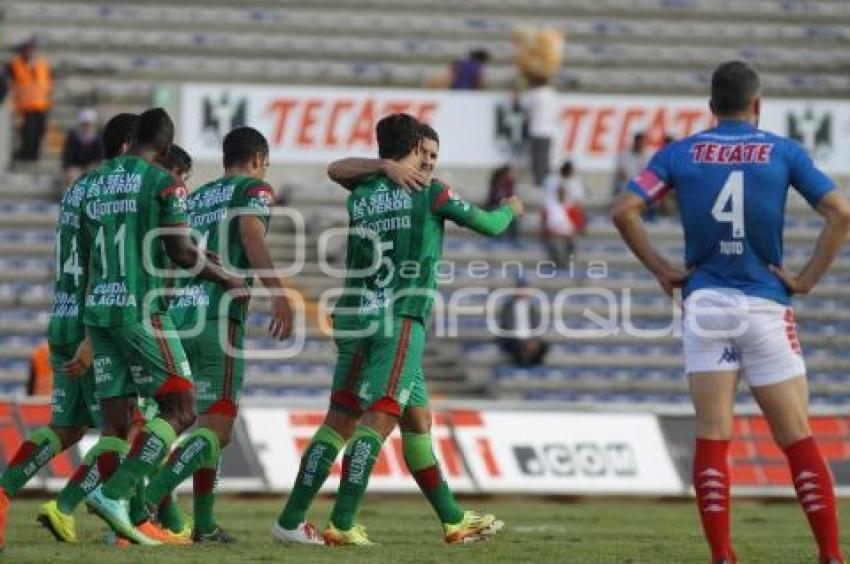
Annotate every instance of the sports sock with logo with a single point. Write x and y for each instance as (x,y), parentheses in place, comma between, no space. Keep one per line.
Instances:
(711,485)
(420,460)
(104,455)
(813,482)
(357,464)
(150,446)
(39,449)
(316,463)
(197,450)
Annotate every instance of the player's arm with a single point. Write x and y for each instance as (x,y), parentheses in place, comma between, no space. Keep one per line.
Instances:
(82,360)
(349,172)
(819,191)
(627,216)
(835,209)
(490,223)
(252,231)
(185,254)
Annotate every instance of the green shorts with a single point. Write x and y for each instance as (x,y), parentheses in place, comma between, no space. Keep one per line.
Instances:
(143,358)
(73,403)
(382,371)
(218,376)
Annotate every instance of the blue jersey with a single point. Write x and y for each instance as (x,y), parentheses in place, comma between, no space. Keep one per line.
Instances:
(731,183)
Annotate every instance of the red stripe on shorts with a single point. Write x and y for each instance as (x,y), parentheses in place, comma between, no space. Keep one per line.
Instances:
(228,360)
(400,357)
(791,331)
(162,343)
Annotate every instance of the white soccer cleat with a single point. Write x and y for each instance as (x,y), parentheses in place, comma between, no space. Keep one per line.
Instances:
(304,533)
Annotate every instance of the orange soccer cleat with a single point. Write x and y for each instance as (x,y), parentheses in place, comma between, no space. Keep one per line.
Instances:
(155,532)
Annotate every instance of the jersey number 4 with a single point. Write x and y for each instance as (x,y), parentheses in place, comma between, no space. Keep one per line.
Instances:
(72,264)
(731,196)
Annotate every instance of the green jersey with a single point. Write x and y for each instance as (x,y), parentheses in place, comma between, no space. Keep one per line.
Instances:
(395,244)
(214,211)
(69,289)
(127,199)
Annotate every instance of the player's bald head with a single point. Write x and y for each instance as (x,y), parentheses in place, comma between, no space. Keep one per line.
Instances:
(735,85)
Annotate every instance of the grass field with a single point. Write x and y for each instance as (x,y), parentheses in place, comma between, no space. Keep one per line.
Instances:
(538,531)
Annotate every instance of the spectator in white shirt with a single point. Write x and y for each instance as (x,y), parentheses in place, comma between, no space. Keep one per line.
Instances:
(563,213)
(541,103)
(630,163)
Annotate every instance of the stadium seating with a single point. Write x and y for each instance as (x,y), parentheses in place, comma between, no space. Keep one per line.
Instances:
(116,53)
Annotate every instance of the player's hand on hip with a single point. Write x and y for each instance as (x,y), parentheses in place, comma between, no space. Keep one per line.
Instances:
(670,278)
(409,178)
(790,280)
(81,361)
(280,326)
(515,204)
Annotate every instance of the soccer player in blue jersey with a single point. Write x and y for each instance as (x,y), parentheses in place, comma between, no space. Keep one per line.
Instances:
(731,183)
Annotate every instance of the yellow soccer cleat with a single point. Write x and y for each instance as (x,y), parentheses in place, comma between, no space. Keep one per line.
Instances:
(59,524)
(355,536)
(473,527)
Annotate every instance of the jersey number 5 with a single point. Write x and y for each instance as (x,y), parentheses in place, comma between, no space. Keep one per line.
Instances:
(732,195)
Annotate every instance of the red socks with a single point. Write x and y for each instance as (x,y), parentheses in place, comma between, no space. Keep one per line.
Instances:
(813,483)
(711,484)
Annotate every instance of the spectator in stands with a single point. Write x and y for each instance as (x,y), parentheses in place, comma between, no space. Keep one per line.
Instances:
(31,86)
(83,148)
(503,186)
(541,103)
(468,73)
(563,215)
(40,382)
(519,317)
(630,163)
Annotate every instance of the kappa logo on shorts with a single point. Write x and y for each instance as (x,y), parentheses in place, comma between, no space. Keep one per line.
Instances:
(730,355)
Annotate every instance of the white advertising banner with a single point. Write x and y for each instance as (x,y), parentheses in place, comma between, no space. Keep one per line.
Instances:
(319,124)
(280,435)
(569,453)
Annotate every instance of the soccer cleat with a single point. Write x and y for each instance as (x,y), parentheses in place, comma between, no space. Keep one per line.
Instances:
(473,527)
(60,525)
(731,559)
(112,539)
(304,533)
(4,508)
(355,536)
(115,514)
(155,532)
(218,535)
(186,532)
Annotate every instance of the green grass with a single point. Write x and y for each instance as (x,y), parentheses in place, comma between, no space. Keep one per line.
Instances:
(538,531)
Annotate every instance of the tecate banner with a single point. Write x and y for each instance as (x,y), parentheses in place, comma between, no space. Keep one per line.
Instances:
(479,129)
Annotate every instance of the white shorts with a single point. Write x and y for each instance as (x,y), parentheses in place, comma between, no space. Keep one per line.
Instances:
(726,330)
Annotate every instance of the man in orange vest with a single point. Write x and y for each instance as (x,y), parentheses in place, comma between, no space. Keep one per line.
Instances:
(31,88)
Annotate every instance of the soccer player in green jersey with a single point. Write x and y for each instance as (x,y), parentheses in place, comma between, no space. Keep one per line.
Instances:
(74,408)
(231,216)
(134,221)
(379,368)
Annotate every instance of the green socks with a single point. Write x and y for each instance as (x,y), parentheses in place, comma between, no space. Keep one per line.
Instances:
(201,448)
(357,466)
(203,500)
(149,448)
(420,460)
(169,514)
(316,464)
(33,454)
(87,476)
(138,512)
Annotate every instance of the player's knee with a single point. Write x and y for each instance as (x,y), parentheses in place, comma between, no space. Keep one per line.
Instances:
(714,426)
(342,422)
